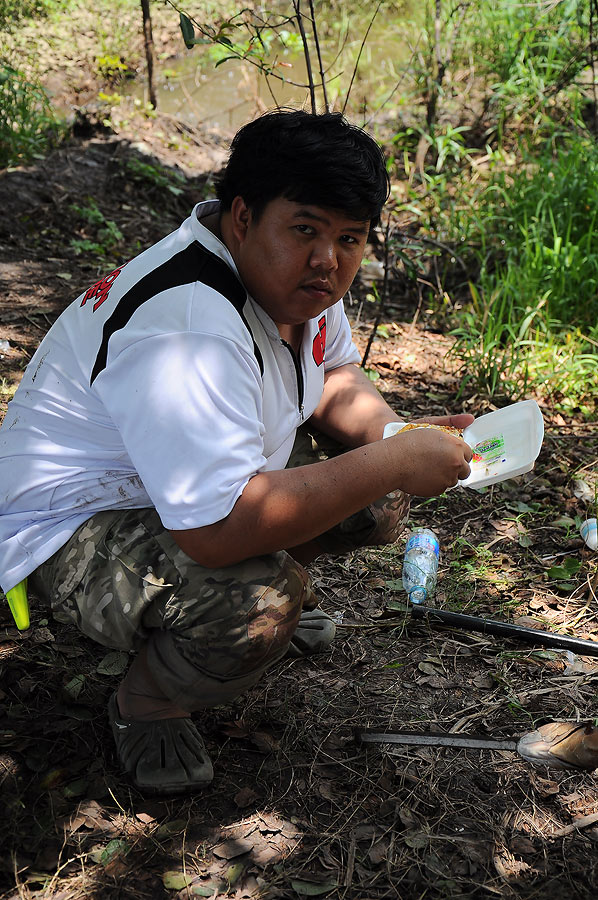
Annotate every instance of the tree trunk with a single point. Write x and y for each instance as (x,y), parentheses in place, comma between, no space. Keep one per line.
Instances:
(149,51)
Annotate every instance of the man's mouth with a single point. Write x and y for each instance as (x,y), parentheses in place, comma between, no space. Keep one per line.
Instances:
(318,289)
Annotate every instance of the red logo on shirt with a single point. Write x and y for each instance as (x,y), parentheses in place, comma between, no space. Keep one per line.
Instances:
(101,288)
(319,344)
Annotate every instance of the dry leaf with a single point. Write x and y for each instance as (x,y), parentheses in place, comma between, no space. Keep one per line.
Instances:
(231,849)
(364,832)
(428,667)
(544,786)
(145,818)
(268,853)
(236,729)
(582,666)
(437,682)
(583,491)
(272,824)
(529,622)
(245,797)
(73,824)
(113,663)
(407,818)
(378,852)
(509,868)
(416,840)
(507,529)
(42,636)
(325,790)
(522,845)
(265,742)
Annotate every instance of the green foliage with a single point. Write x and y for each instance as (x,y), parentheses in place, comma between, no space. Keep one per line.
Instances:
(27,124)
(534,309)
(530,55)
(244,36)
(544,221)
(101,235)
(12,11)
(112,68)
(568,567)
(148,174)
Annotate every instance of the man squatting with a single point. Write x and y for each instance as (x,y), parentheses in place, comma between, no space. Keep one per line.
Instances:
(194,429)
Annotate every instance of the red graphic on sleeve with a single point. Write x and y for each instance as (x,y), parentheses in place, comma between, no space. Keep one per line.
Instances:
(101,288)
(319,344)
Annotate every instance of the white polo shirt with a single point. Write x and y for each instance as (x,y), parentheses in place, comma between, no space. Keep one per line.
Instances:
(164,385)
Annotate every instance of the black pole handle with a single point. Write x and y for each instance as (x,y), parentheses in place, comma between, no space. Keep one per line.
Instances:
(504,629)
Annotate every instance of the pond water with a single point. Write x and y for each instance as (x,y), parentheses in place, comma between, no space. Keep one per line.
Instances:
(194,88)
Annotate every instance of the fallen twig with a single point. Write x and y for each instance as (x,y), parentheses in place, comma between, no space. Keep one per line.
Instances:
(576,824)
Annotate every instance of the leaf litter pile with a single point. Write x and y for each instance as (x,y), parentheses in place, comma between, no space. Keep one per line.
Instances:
(299,807)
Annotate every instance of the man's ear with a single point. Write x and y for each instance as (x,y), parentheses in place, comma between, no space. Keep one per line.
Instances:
(240,219)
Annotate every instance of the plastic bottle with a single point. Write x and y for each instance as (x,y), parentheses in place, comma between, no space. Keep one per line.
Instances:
(420,564)
(589,533)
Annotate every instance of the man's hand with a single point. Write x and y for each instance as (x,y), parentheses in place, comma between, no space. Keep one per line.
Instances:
(430,461)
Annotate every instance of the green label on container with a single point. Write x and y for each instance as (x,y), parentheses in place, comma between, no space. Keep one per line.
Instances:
(489,451)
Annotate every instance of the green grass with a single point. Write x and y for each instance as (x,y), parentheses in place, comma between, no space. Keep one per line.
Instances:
(531,57)
(7,389)
(532,322)
(507,202)
(28,126)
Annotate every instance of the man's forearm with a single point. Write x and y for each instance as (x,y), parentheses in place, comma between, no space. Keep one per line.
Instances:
(282,509)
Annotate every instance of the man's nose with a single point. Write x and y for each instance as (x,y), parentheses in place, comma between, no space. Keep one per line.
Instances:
(323,256)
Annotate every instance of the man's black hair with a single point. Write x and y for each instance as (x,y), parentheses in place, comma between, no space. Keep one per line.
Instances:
(321,160)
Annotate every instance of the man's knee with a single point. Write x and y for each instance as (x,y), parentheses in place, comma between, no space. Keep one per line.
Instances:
(378,524)
(201,662)
(391,514)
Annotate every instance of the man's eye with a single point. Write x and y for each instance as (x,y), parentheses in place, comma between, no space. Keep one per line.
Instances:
(348,239)
(305,229)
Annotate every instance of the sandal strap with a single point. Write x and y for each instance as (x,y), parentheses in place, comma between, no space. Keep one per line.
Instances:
(163,755)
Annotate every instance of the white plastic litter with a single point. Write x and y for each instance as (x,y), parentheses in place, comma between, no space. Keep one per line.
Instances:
(589,533)
(505,443)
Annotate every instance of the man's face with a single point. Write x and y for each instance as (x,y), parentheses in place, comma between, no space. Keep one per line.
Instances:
(296,260)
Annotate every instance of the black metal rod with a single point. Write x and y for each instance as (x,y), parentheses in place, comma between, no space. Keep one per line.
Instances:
(504,629)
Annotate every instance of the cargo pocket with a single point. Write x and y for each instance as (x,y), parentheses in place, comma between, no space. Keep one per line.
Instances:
(126,579)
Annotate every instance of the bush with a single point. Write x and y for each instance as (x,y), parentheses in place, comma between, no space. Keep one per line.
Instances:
(540,225)
(533,319)
(27,123)
(531,56)
(12,11)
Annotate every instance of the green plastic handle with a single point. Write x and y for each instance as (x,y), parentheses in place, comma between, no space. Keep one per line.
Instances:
(19,606)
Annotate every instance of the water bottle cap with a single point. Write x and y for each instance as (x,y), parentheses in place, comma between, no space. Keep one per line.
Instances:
(417,594)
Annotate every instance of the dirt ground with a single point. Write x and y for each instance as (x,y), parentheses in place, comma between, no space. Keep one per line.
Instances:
(299,807)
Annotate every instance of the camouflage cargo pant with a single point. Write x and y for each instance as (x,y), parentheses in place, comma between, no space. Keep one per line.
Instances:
(210,633)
